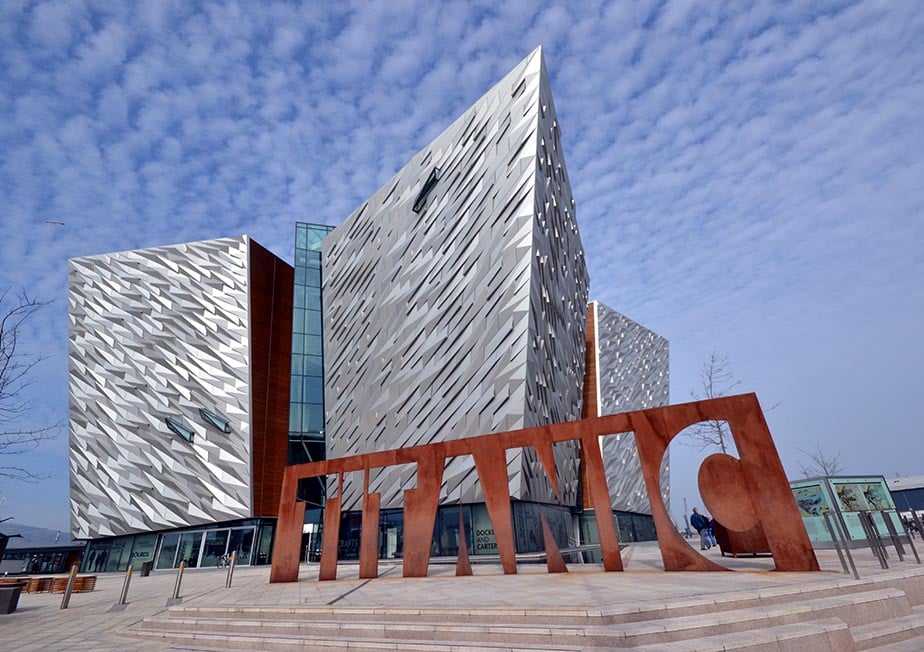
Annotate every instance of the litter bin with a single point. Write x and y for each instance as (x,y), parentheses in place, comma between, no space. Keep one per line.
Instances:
(9,597)
(146,568)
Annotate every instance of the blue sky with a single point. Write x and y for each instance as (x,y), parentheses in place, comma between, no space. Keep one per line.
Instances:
(749,177)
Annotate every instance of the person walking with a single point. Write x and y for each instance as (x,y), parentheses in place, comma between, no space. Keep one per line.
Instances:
(710,532)
(701,524)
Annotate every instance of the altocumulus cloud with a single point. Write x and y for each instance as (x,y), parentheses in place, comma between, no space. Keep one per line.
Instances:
(748,176)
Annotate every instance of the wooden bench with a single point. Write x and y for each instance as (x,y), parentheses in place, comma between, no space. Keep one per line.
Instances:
(13,581)
(38,585)
(82,584)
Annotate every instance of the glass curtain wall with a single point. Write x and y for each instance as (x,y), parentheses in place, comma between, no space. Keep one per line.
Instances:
(306,405)
(203,547)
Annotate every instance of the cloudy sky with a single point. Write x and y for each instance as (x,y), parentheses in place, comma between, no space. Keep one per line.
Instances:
(748,178)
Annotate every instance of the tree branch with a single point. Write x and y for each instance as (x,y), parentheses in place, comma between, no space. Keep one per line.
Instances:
(15,370)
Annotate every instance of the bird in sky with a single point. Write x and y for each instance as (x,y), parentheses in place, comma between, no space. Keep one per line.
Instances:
(54,222)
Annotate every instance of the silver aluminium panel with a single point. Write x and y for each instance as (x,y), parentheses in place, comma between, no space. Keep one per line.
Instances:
(158,333)
(465,316)
(633,374)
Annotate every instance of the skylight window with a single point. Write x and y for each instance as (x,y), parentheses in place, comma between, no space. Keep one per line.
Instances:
(428,186)
(180,428)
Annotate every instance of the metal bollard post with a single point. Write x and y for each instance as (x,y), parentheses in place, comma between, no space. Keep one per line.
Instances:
(231,569)
(176,599)
(123,599)
(70,586)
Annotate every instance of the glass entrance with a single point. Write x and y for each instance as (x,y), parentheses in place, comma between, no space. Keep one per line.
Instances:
(213,554)
(167,554)
(241,540)
(190,543)
(206,548)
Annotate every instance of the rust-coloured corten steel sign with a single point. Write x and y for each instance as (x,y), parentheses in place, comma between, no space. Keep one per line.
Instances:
(740,493)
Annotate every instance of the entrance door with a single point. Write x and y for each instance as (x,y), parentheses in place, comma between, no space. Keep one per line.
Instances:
(190,543)
(242,541)
(216,541)
(167,555)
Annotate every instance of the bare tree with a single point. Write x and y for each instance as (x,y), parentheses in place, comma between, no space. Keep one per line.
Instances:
(716,380)
(822,463)
(15,371)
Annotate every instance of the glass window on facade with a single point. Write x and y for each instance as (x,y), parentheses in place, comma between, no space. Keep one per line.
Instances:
(168,550)
(213,553)
(391,537)
(143,549)
(264,551)
(189,548)
(240,540)
(108,555)
(306,411)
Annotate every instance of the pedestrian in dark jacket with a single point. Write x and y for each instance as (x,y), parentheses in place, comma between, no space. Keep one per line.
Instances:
(701,524)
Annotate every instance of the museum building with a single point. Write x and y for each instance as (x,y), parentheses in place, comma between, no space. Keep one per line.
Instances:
(453,302)
(179,371)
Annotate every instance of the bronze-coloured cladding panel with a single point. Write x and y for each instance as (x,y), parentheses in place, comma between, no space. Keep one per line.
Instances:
(463,564)
(271,288)
(553,558)
(759,477)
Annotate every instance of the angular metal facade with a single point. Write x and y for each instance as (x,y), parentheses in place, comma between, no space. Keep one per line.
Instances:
(633,373)
(457,308)
(155,334)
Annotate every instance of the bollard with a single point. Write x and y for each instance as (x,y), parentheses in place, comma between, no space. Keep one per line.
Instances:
(176,599)
(70,586)
(231,569)
(123,599)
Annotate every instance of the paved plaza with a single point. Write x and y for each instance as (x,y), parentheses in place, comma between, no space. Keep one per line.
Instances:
(39,623)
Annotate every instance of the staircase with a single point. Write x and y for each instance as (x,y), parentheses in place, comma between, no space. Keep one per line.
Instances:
(884,613)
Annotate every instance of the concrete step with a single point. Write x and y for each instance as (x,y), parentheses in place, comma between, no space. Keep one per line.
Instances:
(216,642)
(875,635)
(611,614)
(853,610)
(915,644)
(356,631)
(562,616)
(825,635)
